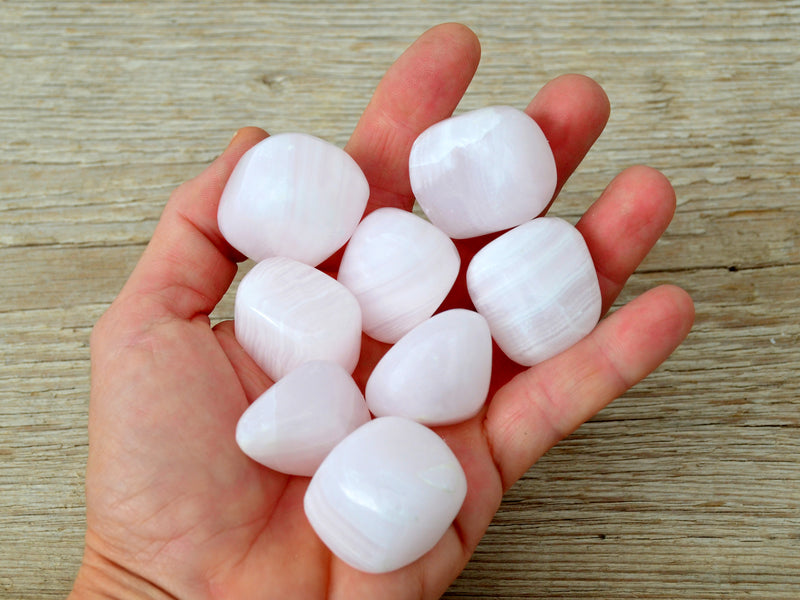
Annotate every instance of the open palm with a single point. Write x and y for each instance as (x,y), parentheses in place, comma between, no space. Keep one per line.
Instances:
(173,506)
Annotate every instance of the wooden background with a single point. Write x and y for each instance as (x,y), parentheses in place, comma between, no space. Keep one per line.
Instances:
(686,487)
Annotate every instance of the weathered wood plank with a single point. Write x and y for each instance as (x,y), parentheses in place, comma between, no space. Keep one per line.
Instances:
(684,488)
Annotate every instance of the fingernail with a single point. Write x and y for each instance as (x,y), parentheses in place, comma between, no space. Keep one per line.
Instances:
(233,139)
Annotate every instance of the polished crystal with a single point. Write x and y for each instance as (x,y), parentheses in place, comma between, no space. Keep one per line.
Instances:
(287,313)
(292,195)
(400,267)
(385,495)
(438,373)
(293,425)
(482,171)
(538,289)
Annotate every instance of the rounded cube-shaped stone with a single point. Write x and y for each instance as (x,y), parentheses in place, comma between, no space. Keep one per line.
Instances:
(385,495)
(287,313)
(482,171)
(538,289)
(400,267)
(292,195)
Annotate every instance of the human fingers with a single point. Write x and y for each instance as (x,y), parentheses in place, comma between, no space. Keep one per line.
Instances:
(637,207)
(254,381)
(572,111)
(188,265)
(421,88)
(545,403)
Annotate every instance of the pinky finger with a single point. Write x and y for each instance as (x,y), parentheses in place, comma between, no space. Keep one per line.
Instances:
(545,403)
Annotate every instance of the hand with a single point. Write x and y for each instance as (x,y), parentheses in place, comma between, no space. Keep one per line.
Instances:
(175,509)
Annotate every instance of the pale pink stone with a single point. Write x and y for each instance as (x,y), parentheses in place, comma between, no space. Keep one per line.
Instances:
(538,289)
(385,495)
(288,313)
(294,424)
(292,195)
(438,373)
(400,268)
(482,171)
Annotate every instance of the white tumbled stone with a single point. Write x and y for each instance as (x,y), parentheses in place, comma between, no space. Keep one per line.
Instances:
(287,313)
(436,374)
(292,195)
(400,268)
(538,289)
(293,426)
(385,495)
(482,171)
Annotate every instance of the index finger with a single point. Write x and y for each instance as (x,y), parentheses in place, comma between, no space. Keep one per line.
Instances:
(187,266)
(421,88)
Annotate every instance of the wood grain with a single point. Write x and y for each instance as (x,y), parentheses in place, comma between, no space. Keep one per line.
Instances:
(687,487)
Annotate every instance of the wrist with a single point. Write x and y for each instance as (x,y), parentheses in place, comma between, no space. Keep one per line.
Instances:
(99,578)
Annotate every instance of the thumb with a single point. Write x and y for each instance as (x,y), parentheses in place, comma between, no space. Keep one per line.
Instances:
(188,265)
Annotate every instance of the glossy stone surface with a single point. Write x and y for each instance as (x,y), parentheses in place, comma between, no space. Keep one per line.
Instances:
(385,495)
(400,268)
(294,424)
(292,195)
(482,171)
(537,287)
(287,313)
(436,374)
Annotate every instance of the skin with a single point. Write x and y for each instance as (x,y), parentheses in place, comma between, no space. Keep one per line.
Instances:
(174,509)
